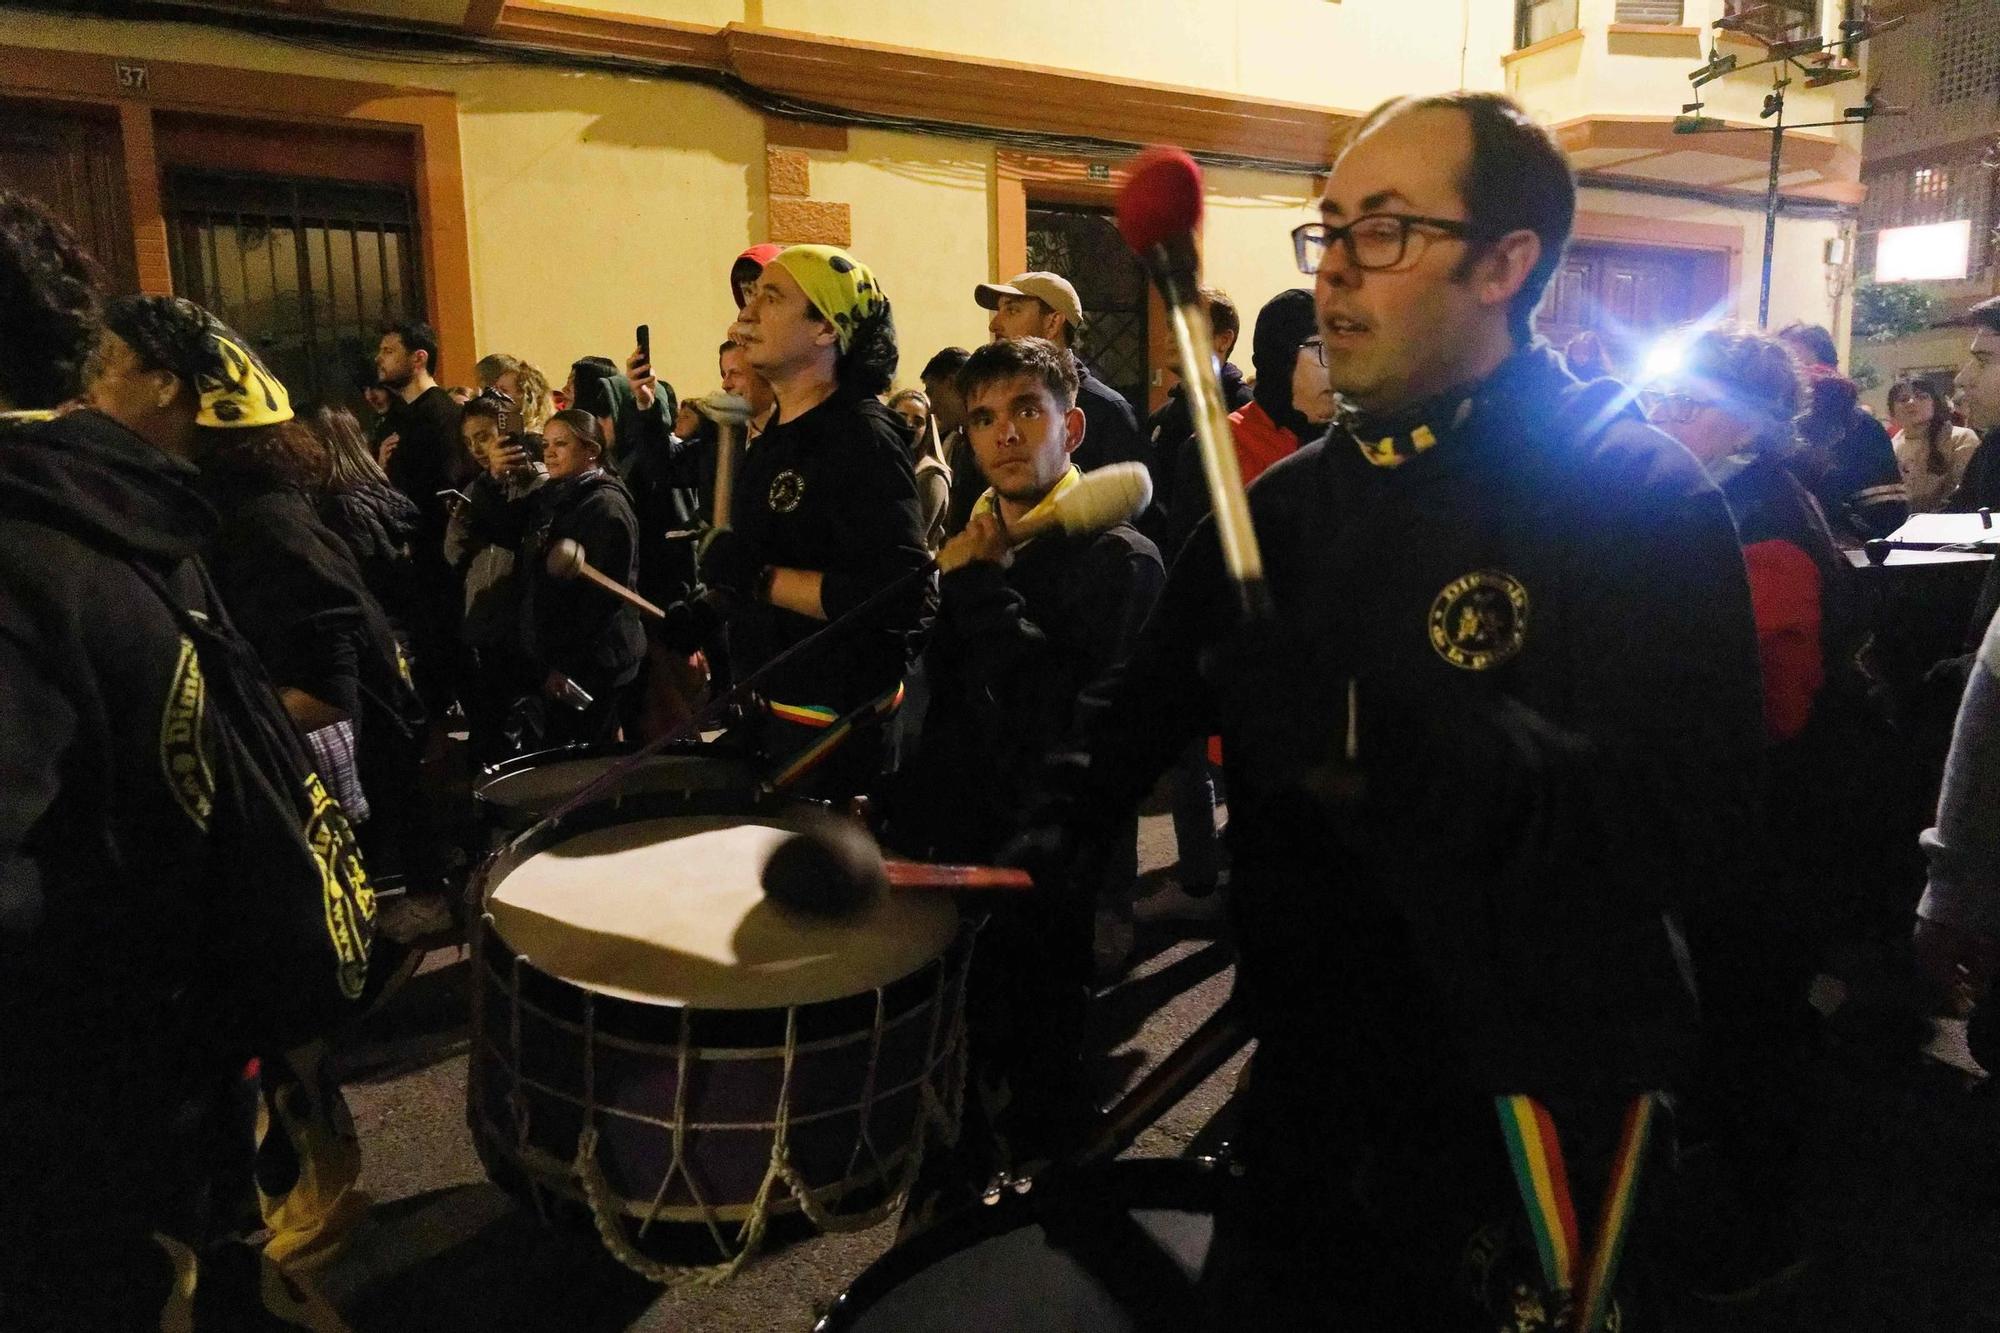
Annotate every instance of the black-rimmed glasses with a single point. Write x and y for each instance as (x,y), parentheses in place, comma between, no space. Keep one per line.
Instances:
(1318,348)
(1374,240)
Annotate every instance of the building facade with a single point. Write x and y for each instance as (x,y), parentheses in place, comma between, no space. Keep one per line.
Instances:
(538,178)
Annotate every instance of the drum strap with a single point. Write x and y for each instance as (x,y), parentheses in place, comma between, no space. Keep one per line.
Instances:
(836,735)
(1543,1180)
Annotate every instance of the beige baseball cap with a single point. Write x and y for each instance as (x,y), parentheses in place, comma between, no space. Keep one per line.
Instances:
(1051,289)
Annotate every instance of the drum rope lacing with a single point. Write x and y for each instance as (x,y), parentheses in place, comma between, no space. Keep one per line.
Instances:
(939,1113)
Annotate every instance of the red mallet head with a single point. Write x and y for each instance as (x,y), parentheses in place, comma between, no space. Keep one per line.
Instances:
(1161,200)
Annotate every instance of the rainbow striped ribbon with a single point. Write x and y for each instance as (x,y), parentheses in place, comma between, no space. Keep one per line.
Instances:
(1543,1180)
(838,731)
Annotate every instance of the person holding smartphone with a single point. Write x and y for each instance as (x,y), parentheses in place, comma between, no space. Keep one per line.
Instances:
(510,471)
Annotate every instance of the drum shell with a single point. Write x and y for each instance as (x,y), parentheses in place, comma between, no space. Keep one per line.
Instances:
(699,777)
(550,1057)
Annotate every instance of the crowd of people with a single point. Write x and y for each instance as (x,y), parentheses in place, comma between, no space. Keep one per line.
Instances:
(1544,776)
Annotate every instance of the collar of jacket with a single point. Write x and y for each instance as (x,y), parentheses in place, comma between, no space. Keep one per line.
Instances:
(989,502)
(1498,413)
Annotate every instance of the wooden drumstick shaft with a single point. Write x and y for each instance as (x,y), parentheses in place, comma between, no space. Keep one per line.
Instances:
(924,875)
(728,443)
(566,560)
(617,589)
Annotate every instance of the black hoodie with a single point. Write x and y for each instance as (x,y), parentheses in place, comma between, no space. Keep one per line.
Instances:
(126,958)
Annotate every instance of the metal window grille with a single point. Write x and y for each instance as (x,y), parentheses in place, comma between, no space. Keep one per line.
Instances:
(1535,20)
(1777,20)
(1648,11)
(1968,62)
(307,270)
(1083,245)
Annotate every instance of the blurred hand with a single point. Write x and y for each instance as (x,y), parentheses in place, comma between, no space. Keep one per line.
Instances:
(387,449)
(505,459)
(640,372)
(982,539)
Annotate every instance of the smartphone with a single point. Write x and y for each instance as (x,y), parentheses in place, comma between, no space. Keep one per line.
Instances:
(453,495)
(645,339)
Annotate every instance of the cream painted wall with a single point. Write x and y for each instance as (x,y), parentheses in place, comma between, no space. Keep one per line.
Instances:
(1246,243)
(923,216)
(594,202)
(1326,52)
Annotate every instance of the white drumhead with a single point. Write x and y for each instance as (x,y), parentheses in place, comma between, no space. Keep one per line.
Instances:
(671,911)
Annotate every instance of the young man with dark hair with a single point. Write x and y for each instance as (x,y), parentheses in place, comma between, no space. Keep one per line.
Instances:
(1021,631)
(153,934)
(424,457)
(1503,723)
(1977,387)
(1045,305)
(1845,458)
(825,512)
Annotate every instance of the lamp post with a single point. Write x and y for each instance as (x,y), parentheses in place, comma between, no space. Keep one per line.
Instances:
(1784,55)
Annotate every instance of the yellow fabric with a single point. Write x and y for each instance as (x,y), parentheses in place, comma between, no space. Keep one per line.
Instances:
(308,1161)
(989,503)
(839,285)
(244,394)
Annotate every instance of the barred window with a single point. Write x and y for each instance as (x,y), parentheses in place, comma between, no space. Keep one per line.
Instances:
(1968,65)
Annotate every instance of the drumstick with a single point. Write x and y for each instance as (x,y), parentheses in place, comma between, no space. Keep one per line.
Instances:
(730,415)
(925,875)
(566,561)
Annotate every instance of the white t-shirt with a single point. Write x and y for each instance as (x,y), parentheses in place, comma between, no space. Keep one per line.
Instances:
(1929,490)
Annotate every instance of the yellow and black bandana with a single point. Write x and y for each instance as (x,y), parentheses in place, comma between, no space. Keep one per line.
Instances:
(839,285)
(235,389)
(1394,440)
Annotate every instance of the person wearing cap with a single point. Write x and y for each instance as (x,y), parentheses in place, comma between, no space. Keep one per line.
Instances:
(138,959)
(825,514)
(1045,305)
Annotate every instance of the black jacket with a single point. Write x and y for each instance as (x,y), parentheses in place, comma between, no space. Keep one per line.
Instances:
(1008,658)
(429,457)
(1547,633)
(1111,428)
(1848,464)
(833,490)
(378,522)
(129,966)
(1173,425)
(571,626)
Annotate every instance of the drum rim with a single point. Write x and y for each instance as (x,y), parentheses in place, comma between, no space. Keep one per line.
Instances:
(1166,1184)
(515,765)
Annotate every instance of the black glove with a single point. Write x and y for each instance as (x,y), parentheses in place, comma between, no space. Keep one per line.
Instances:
(730,561)
(689,625)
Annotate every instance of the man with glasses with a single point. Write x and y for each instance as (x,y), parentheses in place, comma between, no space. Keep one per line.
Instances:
(1503,723)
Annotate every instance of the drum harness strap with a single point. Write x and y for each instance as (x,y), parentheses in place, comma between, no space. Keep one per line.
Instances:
(1543,1181)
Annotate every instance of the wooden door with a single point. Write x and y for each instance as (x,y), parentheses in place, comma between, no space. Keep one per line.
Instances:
(74,163)
(1630,295)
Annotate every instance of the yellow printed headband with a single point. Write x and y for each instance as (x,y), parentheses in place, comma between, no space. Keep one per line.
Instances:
(238,392)
(233,388)
(839,285)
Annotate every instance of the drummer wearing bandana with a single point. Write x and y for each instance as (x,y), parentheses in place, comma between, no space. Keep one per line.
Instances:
(1021,631)
(825,516)
(1502,728)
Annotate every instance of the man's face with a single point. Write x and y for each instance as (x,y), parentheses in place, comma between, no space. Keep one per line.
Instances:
(144,401)
(1312,391)
(1978,382)
(1021,436)
(1024,317)
(1396,336)
(738,378)
(778,331)
(947,406)
(393,361)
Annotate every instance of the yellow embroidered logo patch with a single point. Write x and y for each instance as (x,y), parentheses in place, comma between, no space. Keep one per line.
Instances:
(183,745)
(787,489)
(349,898)
(1480,620)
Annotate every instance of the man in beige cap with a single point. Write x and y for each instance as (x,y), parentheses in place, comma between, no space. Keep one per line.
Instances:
(1044,305)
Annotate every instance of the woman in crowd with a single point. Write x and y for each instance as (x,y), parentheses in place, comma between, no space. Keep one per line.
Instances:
(510,466)
(1930,451)
(582,646)
(914,408)
(363,509)
(525,386)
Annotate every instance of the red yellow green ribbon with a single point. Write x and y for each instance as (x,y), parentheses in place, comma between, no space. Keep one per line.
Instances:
(1540,1174)
(838,732)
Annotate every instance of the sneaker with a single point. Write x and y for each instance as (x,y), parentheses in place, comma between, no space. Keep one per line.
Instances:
(1172,902)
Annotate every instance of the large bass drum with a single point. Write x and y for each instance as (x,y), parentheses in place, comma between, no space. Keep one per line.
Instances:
(661,1053)
(517,793)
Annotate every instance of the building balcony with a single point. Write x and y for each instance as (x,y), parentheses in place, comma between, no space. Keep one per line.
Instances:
(1612,91)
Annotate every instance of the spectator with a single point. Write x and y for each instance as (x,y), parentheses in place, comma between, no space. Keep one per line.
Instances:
(1978,391)
(1843,457)
(940,379)
(525,386)
(378,400)
(749,265)
(1931,452)
(914,407)
(1173,425)
(376,521)
(423,457)
(497,670)
(1958,921)
(1044,305)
